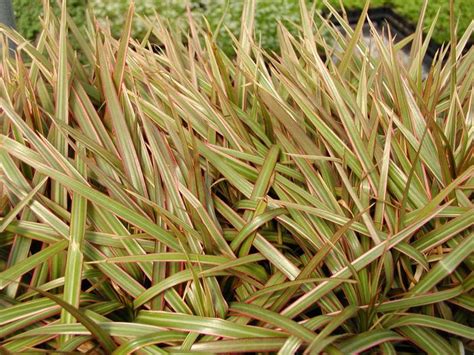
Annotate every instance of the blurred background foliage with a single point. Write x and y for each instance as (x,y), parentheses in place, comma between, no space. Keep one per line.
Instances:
(27,14)
(269,12)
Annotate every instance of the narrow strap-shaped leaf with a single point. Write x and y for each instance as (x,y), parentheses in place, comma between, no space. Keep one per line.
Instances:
(366,340)
(204,325)
(444,267)
(74,261)
(318,344)
(274,319)
(22,204)
(150,339)
(11,274)
(432,322)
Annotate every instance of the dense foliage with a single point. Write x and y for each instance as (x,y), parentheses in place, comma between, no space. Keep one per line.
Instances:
(170,198)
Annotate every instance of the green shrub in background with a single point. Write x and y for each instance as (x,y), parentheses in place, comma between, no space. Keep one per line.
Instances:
(27,14)
(113,11)
(410,9)
(268,13)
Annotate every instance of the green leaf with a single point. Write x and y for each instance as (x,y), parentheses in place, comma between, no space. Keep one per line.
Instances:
(203,325)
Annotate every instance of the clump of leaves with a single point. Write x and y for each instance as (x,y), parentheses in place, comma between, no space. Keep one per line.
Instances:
(174,199)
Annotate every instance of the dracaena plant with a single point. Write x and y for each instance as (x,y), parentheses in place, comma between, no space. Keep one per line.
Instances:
(170,198)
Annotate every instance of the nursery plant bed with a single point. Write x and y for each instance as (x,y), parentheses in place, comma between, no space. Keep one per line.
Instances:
(384,18)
